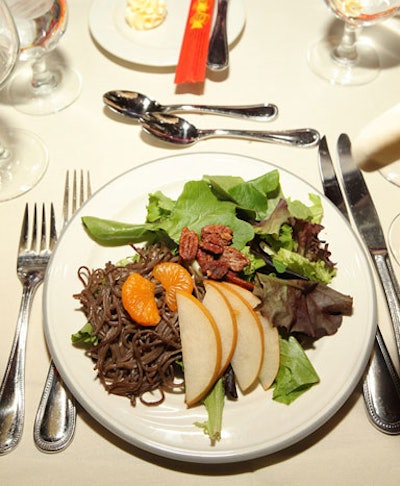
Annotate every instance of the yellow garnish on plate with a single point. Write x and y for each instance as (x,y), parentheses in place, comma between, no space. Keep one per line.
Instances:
(145,14)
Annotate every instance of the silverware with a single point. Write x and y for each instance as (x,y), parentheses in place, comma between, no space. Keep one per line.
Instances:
(176,130)
(133,105)
(381,386)
(218,51)
(369,227)
(56,415)
(35,248)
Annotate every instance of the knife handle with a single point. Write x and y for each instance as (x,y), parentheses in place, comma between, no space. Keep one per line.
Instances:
(391,289)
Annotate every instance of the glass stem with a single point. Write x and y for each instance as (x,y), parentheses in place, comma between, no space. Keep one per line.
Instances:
(42,78)
(346,51)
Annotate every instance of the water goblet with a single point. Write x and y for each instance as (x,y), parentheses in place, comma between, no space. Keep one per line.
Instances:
(43,84)
(349,60)
(23,157)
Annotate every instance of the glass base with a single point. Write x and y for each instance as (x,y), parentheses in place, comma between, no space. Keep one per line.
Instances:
(23,162)
(46,99)
(324,64)
(392,172)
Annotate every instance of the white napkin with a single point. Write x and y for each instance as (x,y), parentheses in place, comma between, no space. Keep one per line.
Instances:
(378,143)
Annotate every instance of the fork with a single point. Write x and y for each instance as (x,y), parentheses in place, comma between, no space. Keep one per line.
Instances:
(55,419)
(31,266)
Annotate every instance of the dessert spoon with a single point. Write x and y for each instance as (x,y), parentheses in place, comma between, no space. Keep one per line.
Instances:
(176,130)
(133,105)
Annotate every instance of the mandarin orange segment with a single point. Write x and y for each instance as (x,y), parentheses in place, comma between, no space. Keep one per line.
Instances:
(139,301)
(173,277)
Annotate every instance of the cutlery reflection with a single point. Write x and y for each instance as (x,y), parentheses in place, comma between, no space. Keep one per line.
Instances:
(381,387)
(133,105)
(218,51)
(176,130)
(56,415)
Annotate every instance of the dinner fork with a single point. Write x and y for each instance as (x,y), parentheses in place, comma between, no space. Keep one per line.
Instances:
(34,252)
(55,419)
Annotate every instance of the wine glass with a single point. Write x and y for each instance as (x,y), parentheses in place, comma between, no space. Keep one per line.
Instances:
(23,157)
(349,60)
(43,84)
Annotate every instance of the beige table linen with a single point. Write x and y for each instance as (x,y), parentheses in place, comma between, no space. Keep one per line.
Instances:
(268,63)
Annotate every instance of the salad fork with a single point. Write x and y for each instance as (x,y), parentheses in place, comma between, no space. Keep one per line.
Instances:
(35,248)
(56,415)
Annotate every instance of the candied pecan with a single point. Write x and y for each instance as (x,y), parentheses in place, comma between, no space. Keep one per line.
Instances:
(188,244)
(234,258)
(211,267)
(232,277)
(224,233)
(211,247)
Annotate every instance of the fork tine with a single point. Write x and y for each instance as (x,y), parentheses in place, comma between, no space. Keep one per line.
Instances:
(43,233)
(66,198)
(23,240)
(74,194)
(34,231)
(53,231)
(88,185)
(76,191)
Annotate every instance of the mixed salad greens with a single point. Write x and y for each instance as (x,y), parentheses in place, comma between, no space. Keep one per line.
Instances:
(290,266)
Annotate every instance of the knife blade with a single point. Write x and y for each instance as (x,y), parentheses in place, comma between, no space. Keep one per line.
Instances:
(381,386)
(367,221)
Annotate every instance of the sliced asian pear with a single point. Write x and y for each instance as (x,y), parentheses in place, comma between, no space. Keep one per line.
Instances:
(223,314)
(249,352)
(251,298)
(201,347)
(271,361)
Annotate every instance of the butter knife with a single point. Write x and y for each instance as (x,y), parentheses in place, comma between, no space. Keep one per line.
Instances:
(368,225)
(218,51)
(381,386)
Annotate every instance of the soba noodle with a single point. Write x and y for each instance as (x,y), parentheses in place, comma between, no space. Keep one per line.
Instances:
(131,360)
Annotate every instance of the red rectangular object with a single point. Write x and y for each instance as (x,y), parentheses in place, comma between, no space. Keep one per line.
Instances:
(192,62)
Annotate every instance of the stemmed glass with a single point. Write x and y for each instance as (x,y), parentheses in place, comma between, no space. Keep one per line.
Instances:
(43,84)
(348,60)
(23,157)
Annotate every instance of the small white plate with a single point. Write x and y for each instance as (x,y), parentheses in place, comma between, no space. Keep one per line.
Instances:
(255,425)
(155,47)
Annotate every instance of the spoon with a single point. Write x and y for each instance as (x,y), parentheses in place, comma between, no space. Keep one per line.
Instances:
(134,105)
(218,52)
(173,129)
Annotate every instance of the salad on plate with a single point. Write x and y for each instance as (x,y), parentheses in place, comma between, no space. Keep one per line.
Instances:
(222,290)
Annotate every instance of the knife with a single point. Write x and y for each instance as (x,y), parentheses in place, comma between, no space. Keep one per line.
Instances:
(381,386)
(368,224)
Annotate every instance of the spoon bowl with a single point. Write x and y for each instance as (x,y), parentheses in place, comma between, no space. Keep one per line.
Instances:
(133,105)
(176,130)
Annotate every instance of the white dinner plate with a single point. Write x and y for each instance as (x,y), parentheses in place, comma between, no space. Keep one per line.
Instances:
(156,47)
(255,425)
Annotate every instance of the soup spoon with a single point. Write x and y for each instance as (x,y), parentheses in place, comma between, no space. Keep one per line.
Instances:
(176,130)
(134,105)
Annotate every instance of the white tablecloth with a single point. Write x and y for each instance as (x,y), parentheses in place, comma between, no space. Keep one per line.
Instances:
(268,63)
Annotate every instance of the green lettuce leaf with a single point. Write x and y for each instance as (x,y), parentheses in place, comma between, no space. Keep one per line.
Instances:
(296,374)
(84,336)
(214,403)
